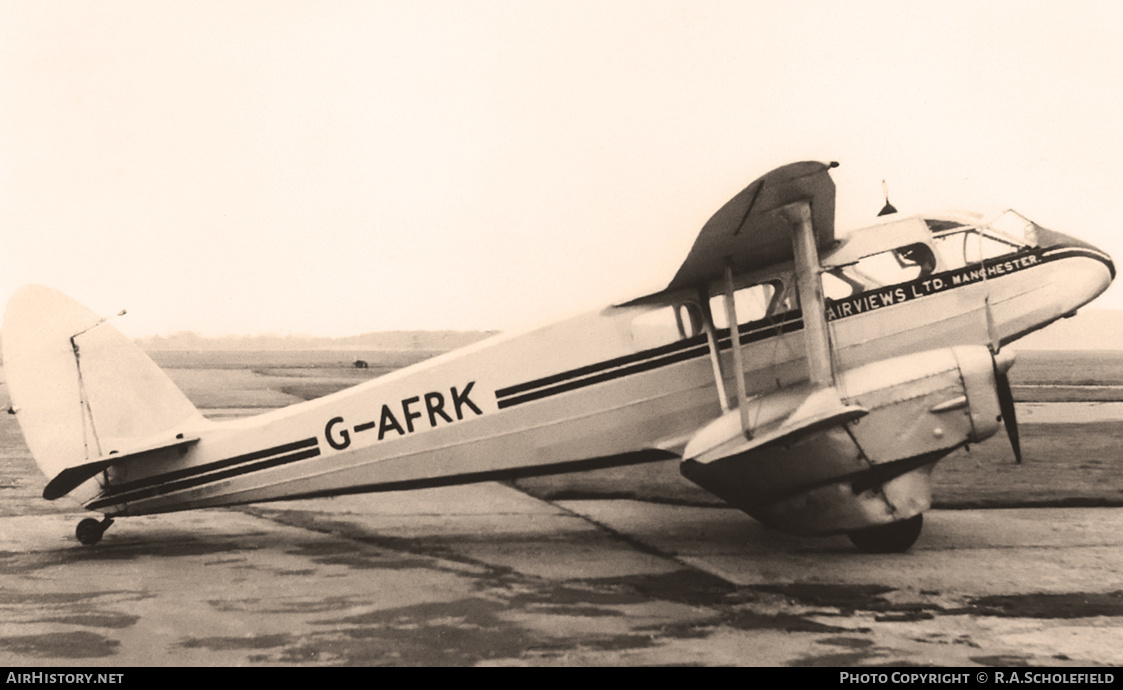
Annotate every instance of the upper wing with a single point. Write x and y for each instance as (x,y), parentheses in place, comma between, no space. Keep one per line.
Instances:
(746,232)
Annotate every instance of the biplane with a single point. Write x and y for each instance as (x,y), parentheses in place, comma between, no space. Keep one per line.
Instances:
(810,381)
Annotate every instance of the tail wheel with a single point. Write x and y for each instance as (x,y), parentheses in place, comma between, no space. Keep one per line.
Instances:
(896,537)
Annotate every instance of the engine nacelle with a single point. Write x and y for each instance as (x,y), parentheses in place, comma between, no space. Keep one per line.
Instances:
(808,470)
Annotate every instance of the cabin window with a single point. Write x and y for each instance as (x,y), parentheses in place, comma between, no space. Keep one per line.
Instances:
(753,303)
(666,325)
(900,265)
(959,249)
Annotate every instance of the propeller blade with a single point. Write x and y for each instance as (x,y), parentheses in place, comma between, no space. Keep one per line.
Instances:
(1006,405)
(992,328)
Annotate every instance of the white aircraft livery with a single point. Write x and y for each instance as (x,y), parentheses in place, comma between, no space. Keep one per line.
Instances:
(811,381)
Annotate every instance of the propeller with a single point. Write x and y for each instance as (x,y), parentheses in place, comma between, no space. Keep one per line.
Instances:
(1006,405)
(1002,363)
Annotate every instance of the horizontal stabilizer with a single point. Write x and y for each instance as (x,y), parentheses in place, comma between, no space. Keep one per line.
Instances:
(73,477)
(779,418)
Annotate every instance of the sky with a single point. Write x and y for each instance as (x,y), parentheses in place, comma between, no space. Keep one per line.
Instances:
(335,168)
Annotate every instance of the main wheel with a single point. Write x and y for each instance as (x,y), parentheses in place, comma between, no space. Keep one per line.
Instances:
(89,531)
(896,537)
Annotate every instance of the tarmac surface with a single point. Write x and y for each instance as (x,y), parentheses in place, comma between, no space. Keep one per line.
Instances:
(488,575)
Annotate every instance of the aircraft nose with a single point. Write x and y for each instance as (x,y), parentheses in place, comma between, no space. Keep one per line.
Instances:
(1092,270)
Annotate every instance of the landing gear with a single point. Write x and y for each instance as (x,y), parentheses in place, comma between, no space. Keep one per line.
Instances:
(89,531)
(896,537)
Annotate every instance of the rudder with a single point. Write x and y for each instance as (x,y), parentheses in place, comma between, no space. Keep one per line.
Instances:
(80,389)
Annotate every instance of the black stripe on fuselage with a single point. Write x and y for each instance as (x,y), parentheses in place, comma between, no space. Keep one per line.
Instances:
(696,346)
(1057,253)
(641,362)
(198,475)
(601,366)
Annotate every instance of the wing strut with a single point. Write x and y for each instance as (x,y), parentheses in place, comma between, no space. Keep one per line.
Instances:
(785,214)
(715,357)
(735,346)
(812,304)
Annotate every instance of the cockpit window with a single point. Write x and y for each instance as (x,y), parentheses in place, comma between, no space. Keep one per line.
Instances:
(942,225)
(959,249)
(919,255)
(1014,227)
(900,265)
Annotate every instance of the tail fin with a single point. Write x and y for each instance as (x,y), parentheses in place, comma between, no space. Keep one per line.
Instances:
(81,390)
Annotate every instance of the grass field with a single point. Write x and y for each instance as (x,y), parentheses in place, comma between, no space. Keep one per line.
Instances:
(1068,376)
(1066,464)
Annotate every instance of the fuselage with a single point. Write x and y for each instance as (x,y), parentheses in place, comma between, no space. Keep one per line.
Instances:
(627,383)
